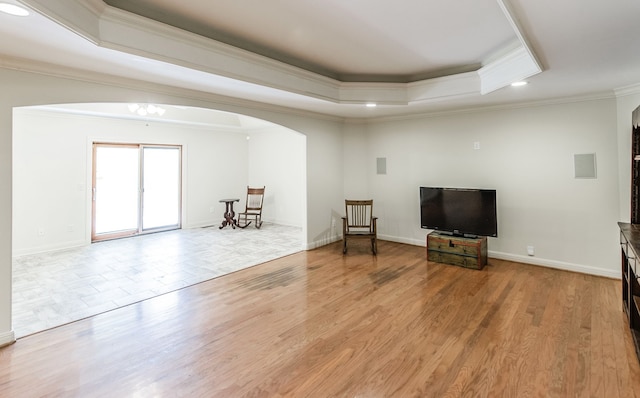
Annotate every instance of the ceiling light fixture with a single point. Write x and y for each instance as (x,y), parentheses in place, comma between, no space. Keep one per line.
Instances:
(13,9)
(146,109)
(371,105)
(519,84)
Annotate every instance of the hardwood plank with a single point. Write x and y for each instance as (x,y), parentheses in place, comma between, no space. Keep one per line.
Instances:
(318,323)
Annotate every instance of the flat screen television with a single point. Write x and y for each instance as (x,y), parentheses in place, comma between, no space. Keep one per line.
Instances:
(459,211)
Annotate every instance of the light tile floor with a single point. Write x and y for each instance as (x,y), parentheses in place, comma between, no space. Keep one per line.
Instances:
(51,289)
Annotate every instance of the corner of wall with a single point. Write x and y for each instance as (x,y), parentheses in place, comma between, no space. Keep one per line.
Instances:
(7,338)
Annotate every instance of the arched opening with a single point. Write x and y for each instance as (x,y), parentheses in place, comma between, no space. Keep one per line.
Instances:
(60,276)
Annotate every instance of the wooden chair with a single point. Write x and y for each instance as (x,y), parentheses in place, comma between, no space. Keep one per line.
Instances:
(359,223)
(253,208)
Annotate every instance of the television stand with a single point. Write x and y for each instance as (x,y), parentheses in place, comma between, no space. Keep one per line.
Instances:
(457,250)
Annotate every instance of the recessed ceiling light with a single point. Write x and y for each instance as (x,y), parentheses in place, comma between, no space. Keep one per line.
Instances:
(371,105)
(518,84)
(13,9)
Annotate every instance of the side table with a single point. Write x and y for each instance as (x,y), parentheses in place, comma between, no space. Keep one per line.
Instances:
(229,213)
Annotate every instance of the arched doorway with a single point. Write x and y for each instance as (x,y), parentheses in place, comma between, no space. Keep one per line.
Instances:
(222,154)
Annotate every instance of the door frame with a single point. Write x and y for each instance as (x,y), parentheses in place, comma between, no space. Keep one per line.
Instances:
(139,230)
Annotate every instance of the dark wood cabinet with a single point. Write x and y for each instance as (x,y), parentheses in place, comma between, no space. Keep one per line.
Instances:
(630,247)
(465,252)
(635,167)
(630,241)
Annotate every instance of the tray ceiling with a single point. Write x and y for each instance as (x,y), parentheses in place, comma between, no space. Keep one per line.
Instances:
(332,57)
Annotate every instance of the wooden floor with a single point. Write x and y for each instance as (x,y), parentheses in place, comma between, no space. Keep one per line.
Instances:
(320,324)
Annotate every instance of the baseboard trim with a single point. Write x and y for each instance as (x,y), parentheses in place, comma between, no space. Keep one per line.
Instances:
(407,241)
(561,265)
(203,224)
(322,242)
(7,338)
(49,248)
(217,223)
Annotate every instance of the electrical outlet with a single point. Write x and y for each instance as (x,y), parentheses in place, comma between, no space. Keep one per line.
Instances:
(476,145)
(211,209)
(530,250)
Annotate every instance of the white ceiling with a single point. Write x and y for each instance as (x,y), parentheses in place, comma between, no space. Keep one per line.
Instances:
(333,56)
(347,40)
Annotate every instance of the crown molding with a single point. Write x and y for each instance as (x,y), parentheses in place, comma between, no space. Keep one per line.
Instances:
(447,87)
(508,12)
(62,112)
(516,65)
(178,96)
(82,18)
(130,33)
(119,30)
(491,108)
(220,102)
(627,90)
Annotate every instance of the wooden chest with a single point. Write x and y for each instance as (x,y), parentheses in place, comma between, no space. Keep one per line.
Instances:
(465,252)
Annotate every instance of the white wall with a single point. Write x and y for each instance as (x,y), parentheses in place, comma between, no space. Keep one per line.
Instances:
(21,88)
(6,332)
(356,162)
(52,172)
(276,160)
(527,155)
(52,160)
(325,198)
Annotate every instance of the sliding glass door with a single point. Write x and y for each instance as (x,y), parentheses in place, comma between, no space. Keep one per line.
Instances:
(136,189)
(116,189)
(161,192)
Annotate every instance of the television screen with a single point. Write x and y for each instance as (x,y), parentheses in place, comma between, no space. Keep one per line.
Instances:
(459,211)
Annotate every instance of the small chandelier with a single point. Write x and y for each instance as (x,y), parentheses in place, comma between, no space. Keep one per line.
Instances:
(146,109)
